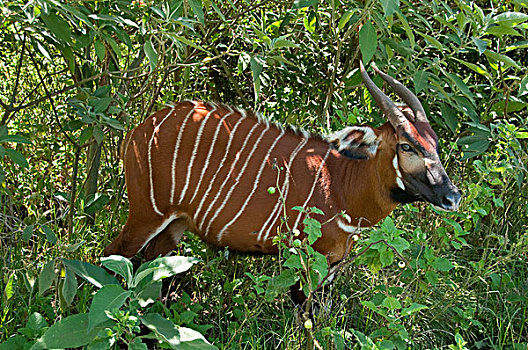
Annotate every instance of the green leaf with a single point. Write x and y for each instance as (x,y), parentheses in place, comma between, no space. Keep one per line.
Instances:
(390,7)
(17,342)
(177,337)
(70,332)
(513,106)
(98,134)
(386,257)
(57,26)
(345,18)
(69,287)
(257,64)
(14,138)
(120,265)
(96,203)
(107,298)
(299,4)
(449,116)
(100,49)
(368,41)
(432,41)
(151,54)
(27,233)
(163,267)
(9,289)
(36,322)
(511,18)
(294,261)
(312,228)
(113,123)
(420,80)
(442,264)
(149,293)
(50,235)
(91,273)
(17,157)
(477,69)
(480,44)
(46,276)
(283,42)
(391,303)
(508,62)
(415,307)
(501,30)
(196,6)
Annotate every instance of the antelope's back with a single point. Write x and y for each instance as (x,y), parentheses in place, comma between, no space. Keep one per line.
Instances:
(213,165)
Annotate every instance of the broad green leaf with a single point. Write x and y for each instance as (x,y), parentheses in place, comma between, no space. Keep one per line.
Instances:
(294,261)
(107,298)
(442,264)
(283,42)
(477,69)
(390,7)
(481,45)
(298,4)
(518,45)
(36,322)
(70,332)
(280,284)
(27,233)
(180,338)
(9,288)
(69,287)
(100,49)
(149,293)
(163,267)
(257,64)
(17,157)
(432,41)
(59,27)
(391,303)
(312,228)
(50,235)
(196,6)
(368,41)
(120,265)
(400,244)
(46,276)
(415,307)
(511,18)
(508,62)
(91,273)
(151,54)
(513,106)
(386,257)
(501,30)
(449,116)
(420,80)
(14,138)
(407,28)
(98,134)
(17,342)
(345,18)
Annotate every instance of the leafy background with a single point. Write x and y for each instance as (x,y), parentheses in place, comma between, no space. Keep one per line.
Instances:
(77,74)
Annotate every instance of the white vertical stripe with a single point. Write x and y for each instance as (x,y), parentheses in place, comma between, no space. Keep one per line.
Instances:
(149,155)
(160,228)
(284,193)
(195,150)
(175,154)
(313,187)
(208,158)
(237,180)
(255,185)
(219,192)
(231,137)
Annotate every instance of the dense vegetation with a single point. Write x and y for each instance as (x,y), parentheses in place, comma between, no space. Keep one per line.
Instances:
(76,75)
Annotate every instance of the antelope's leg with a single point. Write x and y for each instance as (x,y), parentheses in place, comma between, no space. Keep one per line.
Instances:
(135,235)
(166,240)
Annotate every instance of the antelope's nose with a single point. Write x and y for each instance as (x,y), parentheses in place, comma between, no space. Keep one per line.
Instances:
(451,201)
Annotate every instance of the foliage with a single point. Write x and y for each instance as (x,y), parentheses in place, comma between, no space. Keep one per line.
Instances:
(76,75)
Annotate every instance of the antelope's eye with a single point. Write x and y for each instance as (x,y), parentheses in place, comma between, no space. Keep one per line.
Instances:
(406,147)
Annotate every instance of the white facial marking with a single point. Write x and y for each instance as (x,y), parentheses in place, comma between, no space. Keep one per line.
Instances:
(399,181)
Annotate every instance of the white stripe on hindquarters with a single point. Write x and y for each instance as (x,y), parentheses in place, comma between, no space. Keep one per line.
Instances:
(175,154)
(149,157)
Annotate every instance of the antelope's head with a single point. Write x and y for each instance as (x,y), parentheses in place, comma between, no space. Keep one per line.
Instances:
(422,175)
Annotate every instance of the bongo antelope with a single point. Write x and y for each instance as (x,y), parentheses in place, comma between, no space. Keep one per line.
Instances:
(206,168)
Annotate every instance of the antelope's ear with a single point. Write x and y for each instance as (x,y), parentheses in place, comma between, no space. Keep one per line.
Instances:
(356,142)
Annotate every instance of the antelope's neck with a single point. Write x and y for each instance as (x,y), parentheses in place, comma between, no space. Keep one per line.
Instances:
(364,186)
